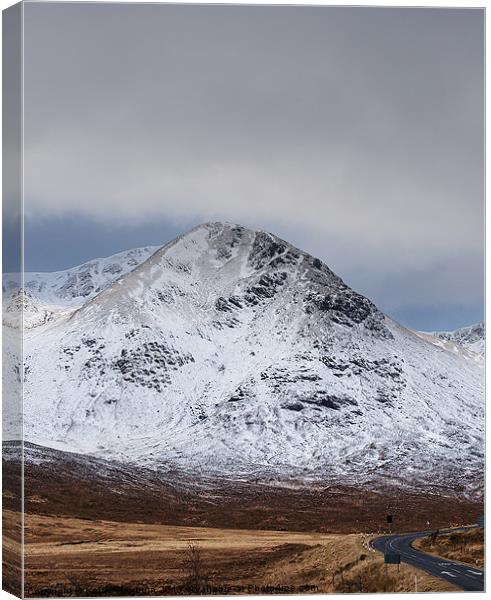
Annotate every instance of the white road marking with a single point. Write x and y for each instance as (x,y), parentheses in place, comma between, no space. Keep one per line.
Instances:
(474,572)
(448,573)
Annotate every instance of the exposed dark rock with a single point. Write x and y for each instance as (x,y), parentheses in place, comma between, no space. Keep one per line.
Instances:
(149,364)
(346,307)
(296,406)
(79,284)
(331,401)
(264,249)
(266,287)
(113,268)
(240,394)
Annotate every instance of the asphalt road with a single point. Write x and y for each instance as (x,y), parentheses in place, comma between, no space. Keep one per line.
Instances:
(467,578)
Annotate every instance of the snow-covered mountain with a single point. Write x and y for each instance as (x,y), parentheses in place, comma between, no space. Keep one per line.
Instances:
(230,351)
(468,342)
(471,338)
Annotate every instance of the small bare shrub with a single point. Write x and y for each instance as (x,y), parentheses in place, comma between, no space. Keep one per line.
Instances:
(197,578)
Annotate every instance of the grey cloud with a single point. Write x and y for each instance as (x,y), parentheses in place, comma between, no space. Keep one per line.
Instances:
(360,129)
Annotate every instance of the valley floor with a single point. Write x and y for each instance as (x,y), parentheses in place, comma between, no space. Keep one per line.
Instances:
(69,556)
(97,529)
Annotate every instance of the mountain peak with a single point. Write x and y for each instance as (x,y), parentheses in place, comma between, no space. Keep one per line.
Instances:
(230,267)
(264,248)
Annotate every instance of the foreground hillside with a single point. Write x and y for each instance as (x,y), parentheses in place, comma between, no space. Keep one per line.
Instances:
(70,485)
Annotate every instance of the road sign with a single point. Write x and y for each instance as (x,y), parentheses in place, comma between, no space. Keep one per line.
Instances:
(391,558)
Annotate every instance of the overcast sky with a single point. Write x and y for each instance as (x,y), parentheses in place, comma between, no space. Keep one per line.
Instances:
(354,133)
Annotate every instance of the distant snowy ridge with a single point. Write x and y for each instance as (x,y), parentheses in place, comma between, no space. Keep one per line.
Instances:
(230,351)
(467,341)
(472,337)
(48,295)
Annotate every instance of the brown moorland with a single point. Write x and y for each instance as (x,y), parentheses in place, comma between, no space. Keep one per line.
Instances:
(71,486)
(68,556)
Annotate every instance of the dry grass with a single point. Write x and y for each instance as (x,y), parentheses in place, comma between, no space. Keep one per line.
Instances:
(345,564)
(69,556)
(11,552)
(464,546)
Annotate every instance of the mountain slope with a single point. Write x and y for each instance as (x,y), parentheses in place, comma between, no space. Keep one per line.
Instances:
(230,351)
